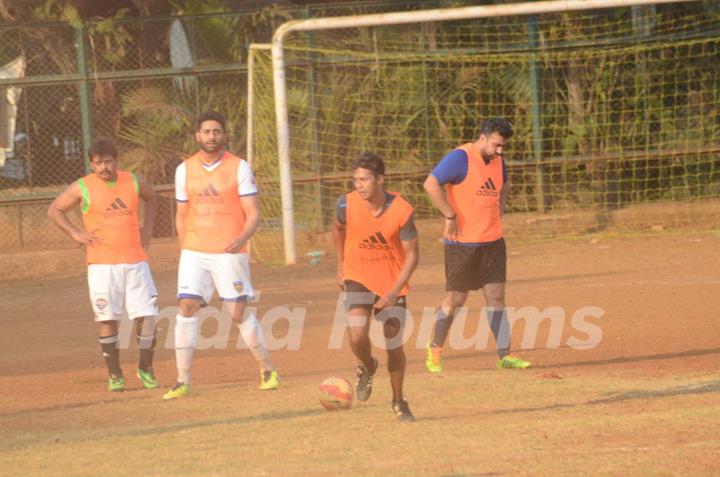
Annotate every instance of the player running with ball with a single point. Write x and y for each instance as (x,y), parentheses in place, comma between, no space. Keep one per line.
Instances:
(377,251)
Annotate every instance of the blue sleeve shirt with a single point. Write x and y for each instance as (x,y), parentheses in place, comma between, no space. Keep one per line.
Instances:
(453,168)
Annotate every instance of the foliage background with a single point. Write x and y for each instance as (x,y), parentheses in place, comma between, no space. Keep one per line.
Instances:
(611,108)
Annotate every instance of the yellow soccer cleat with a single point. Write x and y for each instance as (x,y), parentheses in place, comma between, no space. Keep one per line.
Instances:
(269,380)
(178,391)
(512,362)
(433,358)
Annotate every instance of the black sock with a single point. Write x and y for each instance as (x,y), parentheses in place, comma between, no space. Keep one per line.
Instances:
(500,328)
(111,354)
(147,350)
(442,327)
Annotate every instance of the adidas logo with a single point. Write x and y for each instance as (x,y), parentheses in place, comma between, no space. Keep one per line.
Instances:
(117,204)
(117,208)
(209,195)
(209,191)
(488,188)
(375,242)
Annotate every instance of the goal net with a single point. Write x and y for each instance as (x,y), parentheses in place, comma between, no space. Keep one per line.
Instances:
(616,116)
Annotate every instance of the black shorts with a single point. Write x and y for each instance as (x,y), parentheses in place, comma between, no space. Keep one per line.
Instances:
(357,295)
(470,268)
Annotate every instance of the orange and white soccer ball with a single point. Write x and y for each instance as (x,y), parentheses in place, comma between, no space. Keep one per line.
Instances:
(336,393)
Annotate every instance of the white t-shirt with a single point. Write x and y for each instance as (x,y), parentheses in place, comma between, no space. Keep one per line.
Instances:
(245,179)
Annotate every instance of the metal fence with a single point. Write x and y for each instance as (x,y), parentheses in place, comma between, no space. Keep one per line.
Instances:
(139,81)
(142,81)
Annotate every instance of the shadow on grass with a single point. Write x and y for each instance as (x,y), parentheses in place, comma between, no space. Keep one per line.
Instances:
(239,383)
(635,359)
(180,427)
(77,405)
(267,416)
(484,474)
(700,388)
(594,362)
(290,380)
(685,390)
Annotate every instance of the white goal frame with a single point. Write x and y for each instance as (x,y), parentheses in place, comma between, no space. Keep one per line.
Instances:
(395,18)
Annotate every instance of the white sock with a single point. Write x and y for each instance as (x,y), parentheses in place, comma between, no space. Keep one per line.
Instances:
(254,338)
(186,340)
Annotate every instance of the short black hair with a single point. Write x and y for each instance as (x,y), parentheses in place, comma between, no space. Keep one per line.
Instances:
(210,116)
(496,125)
(371,162)
(102,147)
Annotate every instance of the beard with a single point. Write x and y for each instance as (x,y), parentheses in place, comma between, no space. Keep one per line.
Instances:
(211,148)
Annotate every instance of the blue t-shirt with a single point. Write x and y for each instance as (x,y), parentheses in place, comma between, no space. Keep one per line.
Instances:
(453,168)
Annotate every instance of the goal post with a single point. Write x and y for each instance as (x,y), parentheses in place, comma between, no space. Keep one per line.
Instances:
(606,110)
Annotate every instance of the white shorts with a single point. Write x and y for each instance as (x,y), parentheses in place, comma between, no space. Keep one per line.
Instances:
(124,286)
(200,274)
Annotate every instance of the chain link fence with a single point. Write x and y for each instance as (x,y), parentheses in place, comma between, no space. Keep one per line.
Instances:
(140,82)
(615,114)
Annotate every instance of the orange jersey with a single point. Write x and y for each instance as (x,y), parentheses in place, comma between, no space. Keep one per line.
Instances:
(373,253)
(216,216)
(110,211)
(476,200)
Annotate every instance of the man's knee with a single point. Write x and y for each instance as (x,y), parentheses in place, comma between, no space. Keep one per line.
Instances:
(454,300)
(108,327)
(495,294)
(391,328)
(188,306)
(357,335)
(237,312)
(357,338)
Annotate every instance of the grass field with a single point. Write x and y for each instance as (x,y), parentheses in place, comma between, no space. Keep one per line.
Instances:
(643,401)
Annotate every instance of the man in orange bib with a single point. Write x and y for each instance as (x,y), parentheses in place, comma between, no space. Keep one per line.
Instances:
(217,213)
(469,187)
(118,273)
(377,251)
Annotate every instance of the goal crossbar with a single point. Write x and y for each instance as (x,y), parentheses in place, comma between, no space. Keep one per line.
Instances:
(382,19)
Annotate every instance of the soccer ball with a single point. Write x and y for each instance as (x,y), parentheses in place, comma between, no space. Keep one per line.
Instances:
(336,393)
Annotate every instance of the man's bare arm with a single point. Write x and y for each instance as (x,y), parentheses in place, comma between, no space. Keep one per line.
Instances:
(339,233)
(251,206)
(57,212)
(147,194)
(439,199)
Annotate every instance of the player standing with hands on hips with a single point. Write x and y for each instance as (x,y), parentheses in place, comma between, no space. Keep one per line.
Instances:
(118,272)
(469,187)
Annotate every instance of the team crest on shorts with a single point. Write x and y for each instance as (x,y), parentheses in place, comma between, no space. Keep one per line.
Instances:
(238,285)
(101,303)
